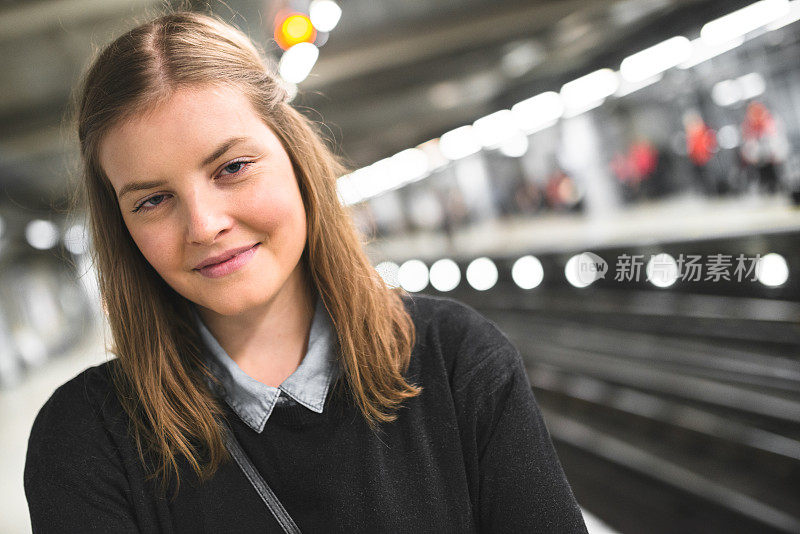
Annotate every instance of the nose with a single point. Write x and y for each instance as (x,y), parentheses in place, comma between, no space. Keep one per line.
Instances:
(206,216)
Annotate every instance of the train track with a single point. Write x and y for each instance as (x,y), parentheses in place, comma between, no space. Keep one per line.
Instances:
(670,412)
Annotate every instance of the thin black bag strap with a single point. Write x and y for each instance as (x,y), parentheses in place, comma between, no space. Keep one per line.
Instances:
(258,482)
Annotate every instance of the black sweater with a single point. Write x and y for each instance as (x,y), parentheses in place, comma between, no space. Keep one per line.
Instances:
(470,453)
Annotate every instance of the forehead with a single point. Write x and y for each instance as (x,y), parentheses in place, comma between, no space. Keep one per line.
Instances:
(184,129)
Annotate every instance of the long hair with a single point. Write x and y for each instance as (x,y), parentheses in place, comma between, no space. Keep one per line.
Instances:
(160,370)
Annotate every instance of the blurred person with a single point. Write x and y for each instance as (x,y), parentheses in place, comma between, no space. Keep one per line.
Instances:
(635,167)
(256,347)
(764,145)
(455,211)
(364,220)
(527,197)
(388,214)
(425,211)
(506,179)
(701,146)
(561,192)
(643,157)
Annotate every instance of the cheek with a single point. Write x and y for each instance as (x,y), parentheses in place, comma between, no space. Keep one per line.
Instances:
(277,211)
(158,248)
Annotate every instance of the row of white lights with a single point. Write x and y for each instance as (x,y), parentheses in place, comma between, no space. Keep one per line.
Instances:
(44,235)
(507,130)
(527,272)
(730,92)
(296,63)
(444,275)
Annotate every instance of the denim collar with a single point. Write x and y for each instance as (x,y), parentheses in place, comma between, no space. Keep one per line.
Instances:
(253,401)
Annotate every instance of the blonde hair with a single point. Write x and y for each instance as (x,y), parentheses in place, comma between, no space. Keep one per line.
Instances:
(160,370)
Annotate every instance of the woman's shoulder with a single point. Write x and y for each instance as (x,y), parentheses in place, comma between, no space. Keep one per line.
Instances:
(85,391)
(76,476)
(75,412)
(473,346)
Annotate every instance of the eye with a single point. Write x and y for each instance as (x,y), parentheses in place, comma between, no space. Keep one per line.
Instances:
(150,203)
(231,169)
(234,167)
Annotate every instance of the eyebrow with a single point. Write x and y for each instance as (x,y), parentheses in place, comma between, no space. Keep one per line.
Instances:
(221,149)
(149,184)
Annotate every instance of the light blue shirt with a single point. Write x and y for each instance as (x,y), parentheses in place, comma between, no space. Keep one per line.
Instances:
(253,401)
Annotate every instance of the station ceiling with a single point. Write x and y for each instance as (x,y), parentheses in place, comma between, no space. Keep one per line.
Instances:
(393,73)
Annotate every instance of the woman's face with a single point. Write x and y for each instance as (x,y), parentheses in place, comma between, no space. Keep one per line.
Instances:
(200,178)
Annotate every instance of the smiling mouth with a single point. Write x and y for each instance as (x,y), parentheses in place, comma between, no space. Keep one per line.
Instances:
(228,265)
(226,259)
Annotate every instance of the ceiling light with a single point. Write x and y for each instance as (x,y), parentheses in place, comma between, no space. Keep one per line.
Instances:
(324,14)
(297,62)
(538,112)
(588,92)
(703,51)
(656,59)
(743,21)
(459,143)
(493,130)
(41,234)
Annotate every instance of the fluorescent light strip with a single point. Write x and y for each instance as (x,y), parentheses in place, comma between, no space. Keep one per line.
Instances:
(653,61)
(743,21)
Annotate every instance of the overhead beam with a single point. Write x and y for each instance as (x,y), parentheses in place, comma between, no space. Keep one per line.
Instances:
(26,20)
(417,42)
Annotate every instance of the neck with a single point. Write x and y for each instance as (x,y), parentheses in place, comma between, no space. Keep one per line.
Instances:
(268,343)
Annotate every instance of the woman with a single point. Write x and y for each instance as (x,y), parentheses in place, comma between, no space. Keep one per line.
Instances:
(246,317)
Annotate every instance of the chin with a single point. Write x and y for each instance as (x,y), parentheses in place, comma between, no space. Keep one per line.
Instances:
(229,307)
(233,303)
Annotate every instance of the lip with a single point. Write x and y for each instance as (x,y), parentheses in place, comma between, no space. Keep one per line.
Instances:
(227,262)
(230,265)
(219,258)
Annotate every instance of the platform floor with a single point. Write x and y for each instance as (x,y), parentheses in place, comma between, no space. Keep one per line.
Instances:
(18,408)
(686,218)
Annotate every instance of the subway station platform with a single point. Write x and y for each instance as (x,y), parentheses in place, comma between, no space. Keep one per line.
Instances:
(686,218)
